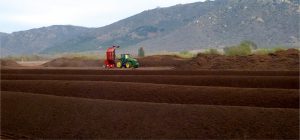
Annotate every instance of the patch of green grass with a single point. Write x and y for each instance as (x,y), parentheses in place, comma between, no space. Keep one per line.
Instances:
(211,51)
(185,54)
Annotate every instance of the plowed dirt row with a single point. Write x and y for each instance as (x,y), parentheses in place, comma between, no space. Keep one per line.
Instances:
(159,93)
(6,135)
(44,116)
(286,82)
(148,72)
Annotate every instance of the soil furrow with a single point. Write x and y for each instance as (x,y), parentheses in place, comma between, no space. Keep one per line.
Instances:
(286,82)
(149,72)
(41,116)
(159,93)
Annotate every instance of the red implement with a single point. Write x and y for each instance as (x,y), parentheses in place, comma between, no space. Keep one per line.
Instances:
(110,57)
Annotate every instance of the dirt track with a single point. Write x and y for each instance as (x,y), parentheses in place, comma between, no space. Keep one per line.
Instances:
(70,103)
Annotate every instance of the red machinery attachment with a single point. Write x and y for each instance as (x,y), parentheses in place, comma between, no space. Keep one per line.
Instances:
(110,57)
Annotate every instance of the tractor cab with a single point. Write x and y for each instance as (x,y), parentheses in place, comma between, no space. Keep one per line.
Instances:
(125,56)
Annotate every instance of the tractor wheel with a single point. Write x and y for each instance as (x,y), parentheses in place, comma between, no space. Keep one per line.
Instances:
(128,65)
(119,64)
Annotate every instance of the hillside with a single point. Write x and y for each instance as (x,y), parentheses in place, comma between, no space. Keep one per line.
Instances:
(37,40)
(266,23)
(181,27)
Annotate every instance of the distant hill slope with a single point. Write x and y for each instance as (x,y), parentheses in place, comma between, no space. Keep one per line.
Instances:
(180,27)
(265,22)
(37,40)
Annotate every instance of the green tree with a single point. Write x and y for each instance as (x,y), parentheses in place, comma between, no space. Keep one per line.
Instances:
(141,52)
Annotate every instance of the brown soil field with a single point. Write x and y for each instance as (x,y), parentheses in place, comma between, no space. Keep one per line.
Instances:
(183,104)
(31,64)
(161,60)
(44,116)
(281,60)
(287,82)
(75,71)
(159,93)
(149,61)
(8,63)
(73,62)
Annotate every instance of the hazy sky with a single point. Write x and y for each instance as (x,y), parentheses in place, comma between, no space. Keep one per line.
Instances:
(16,15)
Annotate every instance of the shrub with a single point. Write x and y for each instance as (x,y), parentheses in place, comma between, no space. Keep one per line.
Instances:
(242,50)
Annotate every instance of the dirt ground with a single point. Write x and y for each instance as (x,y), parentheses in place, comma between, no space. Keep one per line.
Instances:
(73,62)
(209,96)
(31,63)
(161,60)
(149,61)
(285,82)
(9,63)
(202,104)
(280,60)
(48,116)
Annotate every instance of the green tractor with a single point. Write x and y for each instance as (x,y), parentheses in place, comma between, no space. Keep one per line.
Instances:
(127,62)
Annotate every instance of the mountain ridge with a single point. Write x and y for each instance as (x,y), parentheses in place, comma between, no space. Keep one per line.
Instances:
(197,25)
